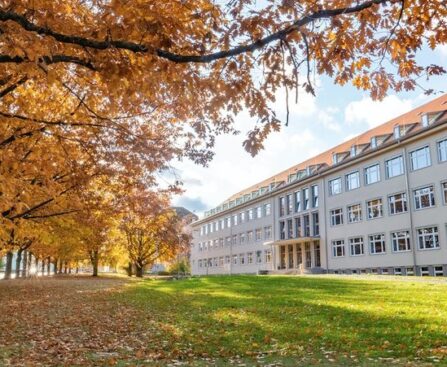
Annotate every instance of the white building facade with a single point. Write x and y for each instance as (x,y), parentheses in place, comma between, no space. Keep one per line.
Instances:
(374,204)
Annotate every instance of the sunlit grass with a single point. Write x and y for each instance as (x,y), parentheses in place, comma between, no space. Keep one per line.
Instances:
(312,319)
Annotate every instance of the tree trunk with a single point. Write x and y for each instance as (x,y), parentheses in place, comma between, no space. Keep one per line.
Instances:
(30,258)
(8,267)
(139,270)
(95,259)
(42,270)
(60,267)
(25,263)
(129,269)
(18,262)
(49,266)
(65,268)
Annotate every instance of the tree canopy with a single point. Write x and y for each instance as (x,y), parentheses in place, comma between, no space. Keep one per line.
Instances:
(98,96)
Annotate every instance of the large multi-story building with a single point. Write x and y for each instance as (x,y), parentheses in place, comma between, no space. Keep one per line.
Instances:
(374,204)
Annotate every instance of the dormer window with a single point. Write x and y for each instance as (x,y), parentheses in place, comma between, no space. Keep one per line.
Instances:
(334,158)
(374,142)
(353,151)
(396,132)
(425,120)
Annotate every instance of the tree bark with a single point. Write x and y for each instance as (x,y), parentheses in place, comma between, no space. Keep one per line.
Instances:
(60,267)
(8,267)
(49,266)
(25,264)
(139,270)
(42,265)
(30,258)
(94,256)
(18,262)
(129,269)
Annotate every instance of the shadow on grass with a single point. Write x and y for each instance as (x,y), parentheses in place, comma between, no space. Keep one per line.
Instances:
(315,318)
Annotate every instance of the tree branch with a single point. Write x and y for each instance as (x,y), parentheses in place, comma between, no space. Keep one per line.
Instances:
(179,58)
(48,60)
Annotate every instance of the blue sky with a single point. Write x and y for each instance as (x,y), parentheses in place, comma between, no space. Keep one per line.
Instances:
(316,124)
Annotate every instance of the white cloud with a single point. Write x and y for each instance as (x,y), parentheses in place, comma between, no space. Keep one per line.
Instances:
(374,113)
(442,49)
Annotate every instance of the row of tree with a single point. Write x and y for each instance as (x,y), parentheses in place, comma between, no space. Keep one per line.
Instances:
(98,97)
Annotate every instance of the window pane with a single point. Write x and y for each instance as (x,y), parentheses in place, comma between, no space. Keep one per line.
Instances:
(442,150)
(420,158)
(395,167)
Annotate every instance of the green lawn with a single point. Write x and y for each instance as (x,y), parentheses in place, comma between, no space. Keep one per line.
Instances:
(305,320)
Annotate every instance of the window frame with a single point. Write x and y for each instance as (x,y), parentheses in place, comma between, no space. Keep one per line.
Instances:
(331,217)
(408,238)
(348,211)
(438,149)
(387,176)
(347,180)
(365,170)
(389,203)
(418,238)
(382,234)
(342,246)
(350,246)
(433,196)
(444,192)
(427,146)
(367,208)
(331,193)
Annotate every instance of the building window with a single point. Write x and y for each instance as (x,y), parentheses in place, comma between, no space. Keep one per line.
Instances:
(374,208)
(227,259)
(235,219)
(314,190)
(268,233)
(424,197)
(289,228)
(306,225)
(299,256)
(317,253)
(372,174)
(234,240)
(444,192)
(282,206)
(234,259)
(420,158)
(442,151)
(242,259)
(228,220)
(242,238)
(336,217)
(356,246)
(298,229)
(249,257)
(227,241)
(335,186)
(258,234)
(242,217)
(394,167)
(221,261)
(290,250)
(354,213)
(352,181)
(377,244)
(398,203)
(338,248)
(428,238)
(401,241)
(316,223)
(308,255)
(289,203)
(259,212)
(297,201)
(282,230)
(249,236)
(250,214)
(258,257)
(267,209)
(268,256)
(305,199)
(221,242)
